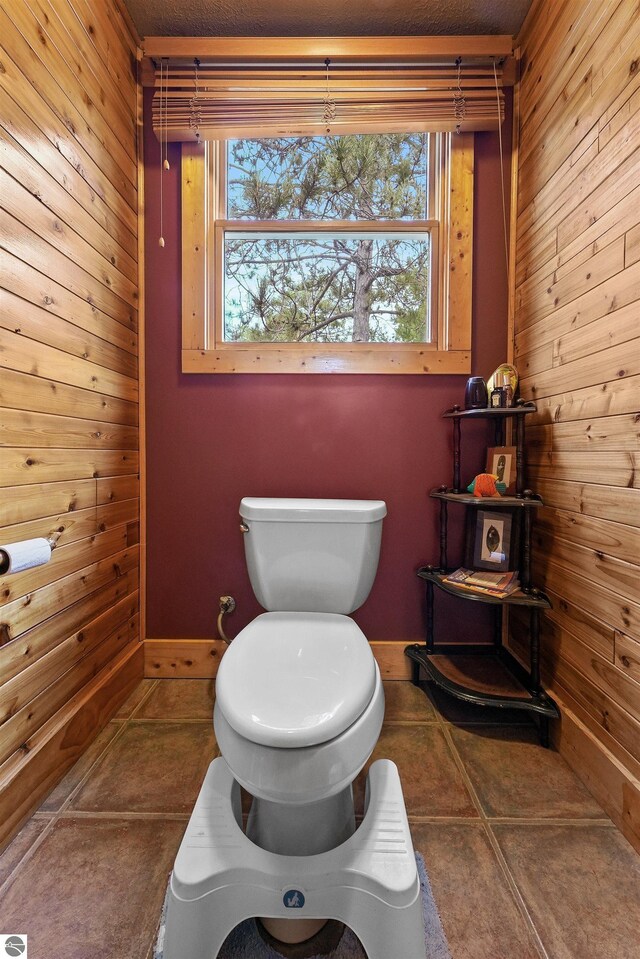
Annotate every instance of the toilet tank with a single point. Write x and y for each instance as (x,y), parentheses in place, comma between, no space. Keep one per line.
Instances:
(312,555)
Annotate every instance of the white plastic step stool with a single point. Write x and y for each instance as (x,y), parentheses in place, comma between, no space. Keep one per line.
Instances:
(221,878)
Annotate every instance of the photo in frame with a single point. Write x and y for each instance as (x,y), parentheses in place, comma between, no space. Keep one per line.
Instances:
(491,540)
(501,461)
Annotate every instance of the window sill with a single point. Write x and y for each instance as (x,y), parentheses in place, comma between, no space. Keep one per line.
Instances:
(318,358)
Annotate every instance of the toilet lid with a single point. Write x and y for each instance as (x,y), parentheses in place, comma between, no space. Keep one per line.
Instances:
(295,679)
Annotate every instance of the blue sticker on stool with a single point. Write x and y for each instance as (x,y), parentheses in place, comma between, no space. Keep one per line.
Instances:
(293,899)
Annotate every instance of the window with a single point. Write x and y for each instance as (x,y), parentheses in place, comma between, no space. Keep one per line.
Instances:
(328,240)
(335,253)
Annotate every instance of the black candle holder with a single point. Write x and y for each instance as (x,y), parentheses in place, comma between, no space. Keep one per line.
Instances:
(476,396)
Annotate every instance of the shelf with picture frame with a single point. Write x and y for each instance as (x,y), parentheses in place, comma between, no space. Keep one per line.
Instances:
(497,539)
(501,462)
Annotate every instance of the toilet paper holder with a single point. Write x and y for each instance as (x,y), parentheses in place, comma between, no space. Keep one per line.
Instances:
(27,554)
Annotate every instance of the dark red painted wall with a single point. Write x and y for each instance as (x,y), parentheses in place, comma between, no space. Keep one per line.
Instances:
(212,439)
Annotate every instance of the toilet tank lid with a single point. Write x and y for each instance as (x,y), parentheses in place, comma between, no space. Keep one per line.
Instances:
(282,510)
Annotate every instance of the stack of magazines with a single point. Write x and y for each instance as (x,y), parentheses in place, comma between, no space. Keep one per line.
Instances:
(493,584)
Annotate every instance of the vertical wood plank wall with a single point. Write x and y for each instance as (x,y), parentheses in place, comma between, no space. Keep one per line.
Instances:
(69,631)
(577,347)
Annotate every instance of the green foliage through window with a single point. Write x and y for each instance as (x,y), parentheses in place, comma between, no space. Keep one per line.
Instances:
(348,284)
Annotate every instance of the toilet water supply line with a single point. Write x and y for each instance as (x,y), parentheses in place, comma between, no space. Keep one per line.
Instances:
(227,605)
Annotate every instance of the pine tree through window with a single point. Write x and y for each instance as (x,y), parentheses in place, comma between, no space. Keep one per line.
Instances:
(330,239)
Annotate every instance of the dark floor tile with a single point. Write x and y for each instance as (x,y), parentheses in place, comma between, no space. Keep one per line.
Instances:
(479,914)
(515,777)
(581,884)
(152,767)
(20,845)
(177,699)
(93,889)
(406,703)
(454,710)
(131,704)
(78,771)
(431,782)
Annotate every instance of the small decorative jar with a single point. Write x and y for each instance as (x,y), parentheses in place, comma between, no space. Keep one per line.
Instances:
(475,394)
(502,393)
(507,389)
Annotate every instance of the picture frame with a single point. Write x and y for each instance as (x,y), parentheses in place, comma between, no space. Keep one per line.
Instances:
(492,540)
(501,461)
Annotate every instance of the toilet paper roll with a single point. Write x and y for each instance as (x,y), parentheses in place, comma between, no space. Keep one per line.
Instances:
(16,557)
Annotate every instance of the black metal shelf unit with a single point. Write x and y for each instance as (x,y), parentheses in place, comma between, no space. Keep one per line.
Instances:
(500,680)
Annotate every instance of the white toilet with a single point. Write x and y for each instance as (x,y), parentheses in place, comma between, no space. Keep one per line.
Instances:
(299,700)
(299,707)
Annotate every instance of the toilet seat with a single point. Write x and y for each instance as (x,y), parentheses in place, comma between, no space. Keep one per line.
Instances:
(292,679)
(306,774)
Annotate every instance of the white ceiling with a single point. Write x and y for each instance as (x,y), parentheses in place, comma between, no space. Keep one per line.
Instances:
(326,17)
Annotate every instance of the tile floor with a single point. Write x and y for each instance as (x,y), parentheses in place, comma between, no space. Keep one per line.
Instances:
(523,862)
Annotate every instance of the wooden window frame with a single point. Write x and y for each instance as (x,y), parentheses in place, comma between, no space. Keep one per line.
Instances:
(203,349)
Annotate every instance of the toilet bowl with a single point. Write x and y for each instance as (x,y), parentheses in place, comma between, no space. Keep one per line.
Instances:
(296,721)
(299,699)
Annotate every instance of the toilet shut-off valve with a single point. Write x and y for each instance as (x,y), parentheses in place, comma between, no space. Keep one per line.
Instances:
(227,605)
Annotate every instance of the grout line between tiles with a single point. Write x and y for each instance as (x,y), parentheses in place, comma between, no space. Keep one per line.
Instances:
(27,854)
(511,882)
(114,739)
(424,687)
(139,721)
(123,722)
(457,758)
(123,814)
(551,821)
(146,696)
(511,821)
(514,884)
(411,722)
(462,724)
(459,723)
(455,820)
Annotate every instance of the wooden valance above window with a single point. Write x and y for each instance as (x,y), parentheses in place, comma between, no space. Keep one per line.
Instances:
(222,88)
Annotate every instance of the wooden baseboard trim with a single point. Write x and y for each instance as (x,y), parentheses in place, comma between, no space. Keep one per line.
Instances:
(615,788)
(182,658)
(199,658)
(33,770)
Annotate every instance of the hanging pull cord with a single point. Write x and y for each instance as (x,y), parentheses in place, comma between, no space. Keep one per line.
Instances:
(162,125)
(504,201)
(459,102)
(166,117)
(328,104)
(195,117)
